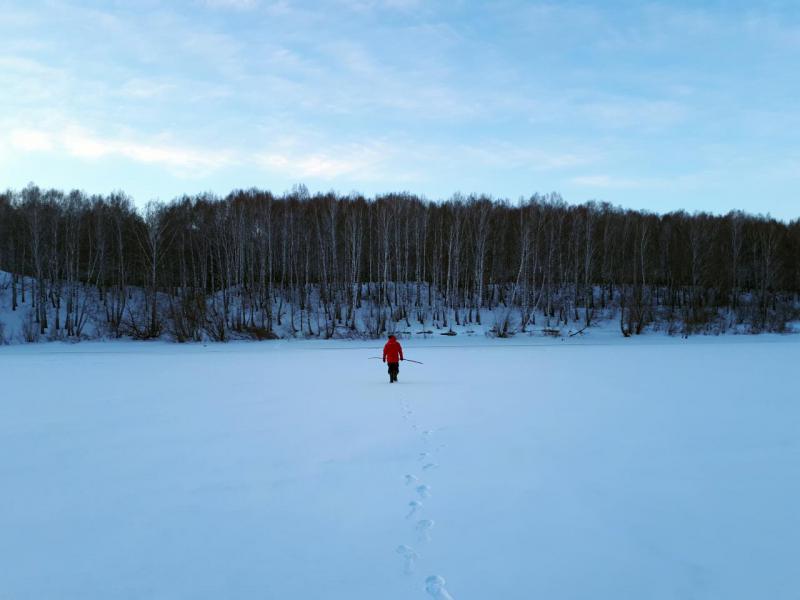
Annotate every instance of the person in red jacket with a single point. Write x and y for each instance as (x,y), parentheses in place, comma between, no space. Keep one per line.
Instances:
(393,354)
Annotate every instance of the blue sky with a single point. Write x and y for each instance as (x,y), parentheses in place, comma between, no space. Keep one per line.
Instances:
(659,106)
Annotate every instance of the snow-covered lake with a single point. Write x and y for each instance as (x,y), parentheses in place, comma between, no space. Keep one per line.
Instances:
(650,468)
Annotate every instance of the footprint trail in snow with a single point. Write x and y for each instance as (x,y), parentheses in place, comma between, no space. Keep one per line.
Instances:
(410,557)
(414,507)
(435,586)
(424,491)
(424,530)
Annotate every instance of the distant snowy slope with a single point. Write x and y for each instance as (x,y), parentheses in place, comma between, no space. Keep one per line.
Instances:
(84,312)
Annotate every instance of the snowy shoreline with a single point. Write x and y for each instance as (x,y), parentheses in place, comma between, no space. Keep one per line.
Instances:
(596,336)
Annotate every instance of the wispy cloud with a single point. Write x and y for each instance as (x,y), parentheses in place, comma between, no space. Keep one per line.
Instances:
(642,114)
(78,142)
(607,182)
(315,165)
(234,4)
(289,157)
(366,5)
(31,140)
(144,88)
(299,158)
(506,156)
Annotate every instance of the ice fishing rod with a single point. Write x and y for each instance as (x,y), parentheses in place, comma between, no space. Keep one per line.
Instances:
(404,360)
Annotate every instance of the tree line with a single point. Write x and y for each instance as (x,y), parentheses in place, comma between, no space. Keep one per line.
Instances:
(262,265)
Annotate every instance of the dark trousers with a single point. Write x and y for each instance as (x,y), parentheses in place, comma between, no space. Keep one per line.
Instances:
(394,369)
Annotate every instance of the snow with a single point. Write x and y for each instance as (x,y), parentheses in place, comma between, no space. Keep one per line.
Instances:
(20,326)
(595,467)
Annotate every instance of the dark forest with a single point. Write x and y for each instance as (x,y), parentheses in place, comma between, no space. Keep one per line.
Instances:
(254,264)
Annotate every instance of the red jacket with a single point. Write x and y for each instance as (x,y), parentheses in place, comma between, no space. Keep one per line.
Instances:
(392,351)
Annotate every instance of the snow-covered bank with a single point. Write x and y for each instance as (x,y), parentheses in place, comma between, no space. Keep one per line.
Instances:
(90,314)
(595,468)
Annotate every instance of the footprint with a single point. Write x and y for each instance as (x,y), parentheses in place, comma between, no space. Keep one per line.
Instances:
(429,432)
(435,586)
(430,466)
(424,491)
(410,558)
(424,529)
(414,507)
(423,455)
(411,479)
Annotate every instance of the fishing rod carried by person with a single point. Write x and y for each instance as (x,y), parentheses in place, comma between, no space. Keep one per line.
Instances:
(392,355)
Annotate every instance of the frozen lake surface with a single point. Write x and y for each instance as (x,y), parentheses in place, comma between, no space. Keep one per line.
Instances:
(595,468)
